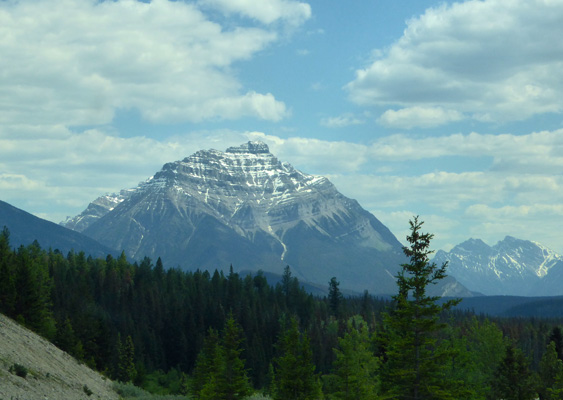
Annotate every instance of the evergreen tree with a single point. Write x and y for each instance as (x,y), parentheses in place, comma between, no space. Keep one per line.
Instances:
(557,337)
(126,371)
(550,374)
(233,380)
(512,379)
(335,297)
(7,284)
(479,351)
(206,363)
(33,291)
(415,368)
(295,377)
(227,378)
(356,366)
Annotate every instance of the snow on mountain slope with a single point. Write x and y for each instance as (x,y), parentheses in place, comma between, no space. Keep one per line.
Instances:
(511,267)
(246,208)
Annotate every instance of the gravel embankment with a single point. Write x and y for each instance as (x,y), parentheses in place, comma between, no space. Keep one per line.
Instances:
(52,373)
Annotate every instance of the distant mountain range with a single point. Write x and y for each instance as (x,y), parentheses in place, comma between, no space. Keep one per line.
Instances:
(245,208)
(510,267)
(24,228)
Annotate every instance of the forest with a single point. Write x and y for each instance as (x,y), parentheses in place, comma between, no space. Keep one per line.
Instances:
(210,335)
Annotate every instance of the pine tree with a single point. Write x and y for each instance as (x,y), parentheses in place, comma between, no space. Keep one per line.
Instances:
(512,379)
(7,285)
(550,374)
(227,377)
(557,337)
(295,377)
(206,363)
(415,366)
(356,366)
(335,297)
(233,380)
(126,360)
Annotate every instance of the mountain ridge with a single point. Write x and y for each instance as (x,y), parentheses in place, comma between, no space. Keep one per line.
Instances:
(245,208)
(24,228)
(510,267)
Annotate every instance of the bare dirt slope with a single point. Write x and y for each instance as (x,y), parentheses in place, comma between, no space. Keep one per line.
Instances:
(52,373)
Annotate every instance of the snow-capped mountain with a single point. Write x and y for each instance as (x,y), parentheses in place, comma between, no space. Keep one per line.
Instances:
(246,208)
(95,210)
(510,267)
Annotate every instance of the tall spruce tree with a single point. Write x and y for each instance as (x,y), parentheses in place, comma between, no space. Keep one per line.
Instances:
(550,374)
(512,379)
(335,297)
(295,377)
(415,365)
(227,378)
(126,371)
(206,363)
(356,366)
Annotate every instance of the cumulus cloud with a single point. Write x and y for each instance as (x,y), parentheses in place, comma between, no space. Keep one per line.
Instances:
(422,117)
(493,60)
(76,62)
(265,11)
(60,176)
(515,171)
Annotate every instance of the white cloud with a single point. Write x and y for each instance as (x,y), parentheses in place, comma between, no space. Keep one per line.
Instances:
(423,117)
(341,121)
(538,221)
(496,60)
(77,62)
(265,11)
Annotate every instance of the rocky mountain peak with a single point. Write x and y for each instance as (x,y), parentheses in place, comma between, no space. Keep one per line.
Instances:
(511,267)
(251,147)
(243,207)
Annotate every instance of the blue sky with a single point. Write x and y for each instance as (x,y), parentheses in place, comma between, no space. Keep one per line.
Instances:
(447,110)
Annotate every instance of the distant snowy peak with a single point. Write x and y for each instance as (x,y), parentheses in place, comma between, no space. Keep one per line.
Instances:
(242,176)
(512,266)
(96,209)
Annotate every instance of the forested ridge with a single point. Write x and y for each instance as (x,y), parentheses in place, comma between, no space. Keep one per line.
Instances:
(214,335)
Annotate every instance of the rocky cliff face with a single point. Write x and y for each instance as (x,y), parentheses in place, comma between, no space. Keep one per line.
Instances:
(245,208)
(511,267)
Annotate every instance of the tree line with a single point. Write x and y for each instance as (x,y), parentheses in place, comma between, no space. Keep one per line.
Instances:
(225,336)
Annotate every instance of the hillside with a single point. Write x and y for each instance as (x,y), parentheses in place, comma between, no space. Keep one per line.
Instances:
(52,374)
(25,228)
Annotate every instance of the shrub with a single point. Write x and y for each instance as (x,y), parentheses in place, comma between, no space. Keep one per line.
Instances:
(87,391)
(19,370)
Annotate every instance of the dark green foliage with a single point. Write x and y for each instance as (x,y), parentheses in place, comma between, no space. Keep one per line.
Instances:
(550,375)
(206,365)
(87,390)
(294,372)
(356,366)
(557,338)
(335,298)
(478,349)
(513,380)
(126,371)
(227,377)
(108,307)
(19,370)
(415,363)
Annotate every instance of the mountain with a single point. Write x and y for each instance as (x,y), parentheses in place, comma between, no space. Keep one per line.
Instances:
(25,228)
(245,208)
(511,267)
